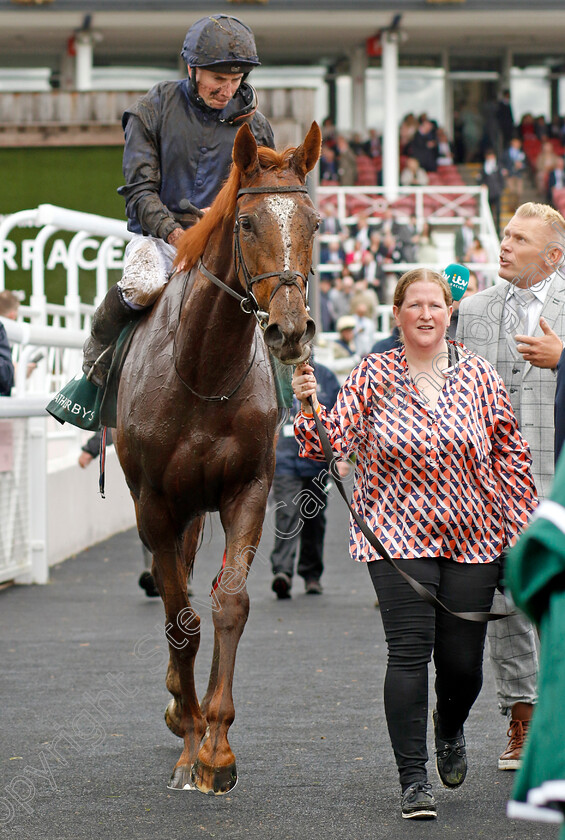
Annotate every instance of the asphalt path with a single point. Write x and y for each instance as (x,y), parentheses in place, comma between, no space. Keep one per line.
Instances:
(86,753)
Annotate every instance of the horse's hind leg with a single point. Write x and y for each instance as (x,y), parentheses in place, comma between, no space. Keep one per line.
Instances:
(171,564)
(173,712)
(214,770)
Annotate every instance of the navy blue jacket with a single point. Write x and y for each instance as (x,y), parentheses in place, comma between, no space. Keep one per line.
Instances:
(288,462)
(6,365)
(179,150)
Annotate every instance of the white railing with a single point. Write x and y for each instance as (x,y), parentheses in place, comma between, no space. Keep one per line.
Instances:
(445,208)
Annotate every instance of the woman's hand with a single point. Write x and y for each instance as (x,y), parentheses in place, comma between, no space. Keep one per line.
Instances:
(304,386)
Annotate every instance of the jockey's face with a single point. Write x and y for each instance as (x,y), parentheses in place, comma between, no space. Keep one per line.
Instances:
(216,89)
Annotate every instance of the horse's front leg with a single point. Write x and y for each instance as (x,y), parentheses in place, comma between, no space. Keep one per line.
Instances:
(214,770)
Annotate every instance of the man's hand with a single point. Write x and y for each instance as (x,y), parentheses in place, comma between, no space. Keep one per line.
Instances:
(174,236)
(542,351)
(84,459)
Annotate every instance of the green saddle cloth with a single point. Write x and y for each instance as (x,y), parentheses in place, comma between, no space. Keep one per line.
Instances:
(84,405)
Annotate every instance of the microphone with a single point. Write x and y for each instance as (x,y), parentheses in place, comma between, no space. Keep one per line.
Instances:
(457,277)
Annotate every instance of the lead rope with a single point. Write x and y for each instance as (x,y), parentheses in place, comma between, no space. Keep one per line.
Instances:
(373,540)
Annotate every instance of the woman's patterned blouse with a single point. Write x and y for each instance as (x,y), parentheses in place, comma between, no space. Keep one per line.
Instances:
(454,481)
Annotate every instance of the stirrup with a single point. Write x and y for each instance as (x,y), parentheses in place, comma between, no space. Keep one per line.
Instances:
(98,371)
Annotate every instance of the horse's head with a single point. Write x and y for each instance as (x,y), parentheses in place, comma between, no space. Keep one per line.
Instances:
(275,226)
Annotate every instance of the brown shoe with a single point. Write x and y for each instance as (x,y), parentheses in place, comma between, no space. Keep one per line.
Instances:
(519,722)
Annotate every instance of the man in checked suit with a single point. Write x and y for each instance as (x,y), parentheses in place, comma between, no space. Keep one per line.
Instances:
(519,326)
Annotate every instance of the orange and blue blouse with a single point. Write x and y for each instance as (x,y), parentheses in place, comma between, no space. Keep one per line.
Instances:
(452,481)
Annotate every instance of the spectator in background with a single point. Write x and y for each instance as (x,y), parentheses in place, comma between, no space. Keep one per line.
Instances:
(342,294)
(328,132)
(477,254)
(540,127)
(9,308)
(444,148)
(328,165)
(364,294)
(327,314)
(556,179)
(9,304)
(505,119)
(297,480)
(362,234)
(373,146)
(346,162)
(334,254)
(330,224)
(423,145)
(364,332)
(378,253)
(527,127)
(408,128)
(545,163)
(464,238)
(491,175)
(344,346)
(427,248)
(471,132)
(514,168)
(413,174)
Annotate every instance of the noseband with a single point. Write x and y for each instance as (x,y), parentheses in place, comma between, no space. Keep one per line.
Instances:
(248,302)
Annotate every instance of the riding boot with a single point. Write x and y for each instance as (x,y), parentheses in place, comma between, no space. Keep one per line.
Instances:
(108,321)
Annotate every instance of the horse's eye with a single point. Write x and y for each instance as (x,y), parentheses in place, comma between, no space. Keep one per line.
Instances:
(245,223)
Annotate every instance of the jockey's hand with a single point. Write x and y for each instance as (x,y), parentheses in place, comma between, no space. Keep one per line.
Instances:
(174,236)
(541,351)
(304,386)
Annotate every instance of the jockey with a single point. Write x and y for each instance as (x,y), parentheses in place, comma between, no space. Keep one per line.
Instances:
(178,151)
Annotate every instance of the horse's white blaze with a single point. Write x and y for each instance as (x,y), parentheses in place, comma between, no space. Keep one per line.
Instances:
(282,208)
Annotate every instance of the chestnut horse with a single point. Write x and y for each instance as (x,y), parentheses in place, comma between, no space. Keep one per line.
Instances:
(197,415)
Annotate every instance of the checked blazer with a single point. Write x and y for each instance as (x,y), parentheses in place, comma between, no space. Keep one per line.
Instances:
(480,329)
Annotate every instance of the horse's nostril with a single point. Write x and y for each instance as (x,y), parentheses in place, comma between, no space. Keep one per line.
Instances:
(274,337)
(309,332)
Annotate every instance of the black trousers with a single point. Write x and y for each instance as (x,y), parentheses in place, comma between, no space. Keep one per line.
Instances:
(300,523)
(413,631)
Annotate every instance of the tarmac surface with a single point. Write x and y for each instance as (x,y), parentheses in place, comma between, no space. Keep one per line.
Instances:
(86,753)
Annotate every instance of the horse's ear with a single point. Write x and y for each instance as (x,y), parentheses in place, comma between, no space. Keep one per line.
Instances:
(245,151)
(306,156)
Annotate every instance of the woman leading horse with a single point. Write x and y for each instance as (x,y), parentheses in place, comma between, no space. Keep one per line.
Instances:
(197,416)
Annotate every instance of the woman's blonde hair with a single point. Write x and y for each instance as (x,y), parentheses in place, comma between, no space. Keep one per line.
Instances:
(425,275)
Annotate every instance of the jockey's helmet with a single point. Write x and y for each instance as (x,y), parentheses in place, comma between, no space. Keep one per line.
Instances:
(222,43)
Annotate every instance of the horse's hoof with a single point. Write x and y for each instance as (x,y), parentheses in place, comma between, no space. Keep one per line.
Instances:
(171,719)
(181,779)
(213,780)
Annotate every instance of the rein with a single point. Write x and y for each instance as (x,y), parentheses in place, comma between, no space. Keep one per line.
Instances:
(374,541)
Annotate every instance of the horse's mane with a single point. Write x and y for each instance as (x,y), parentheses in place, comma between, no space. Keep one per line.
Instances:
(192,245)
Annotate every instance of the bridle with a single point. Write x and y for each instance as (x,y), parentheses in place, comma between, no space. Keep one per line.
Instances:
(248,302)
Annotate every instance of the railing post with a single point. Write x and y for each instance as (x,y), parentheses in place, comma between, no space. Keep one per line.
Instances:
(38,300)
(37,502)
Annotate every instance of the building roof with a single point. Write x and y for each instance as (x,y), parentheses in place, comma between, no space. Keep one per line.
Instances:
(36,32)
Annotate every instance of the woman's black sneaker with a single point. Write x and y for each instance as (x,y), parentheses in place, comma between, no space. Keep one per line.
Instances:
(451,757)
(418,802)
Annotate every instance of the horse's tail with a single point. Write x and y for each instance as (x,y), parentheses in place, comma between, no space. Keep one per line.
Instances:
(192,541)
